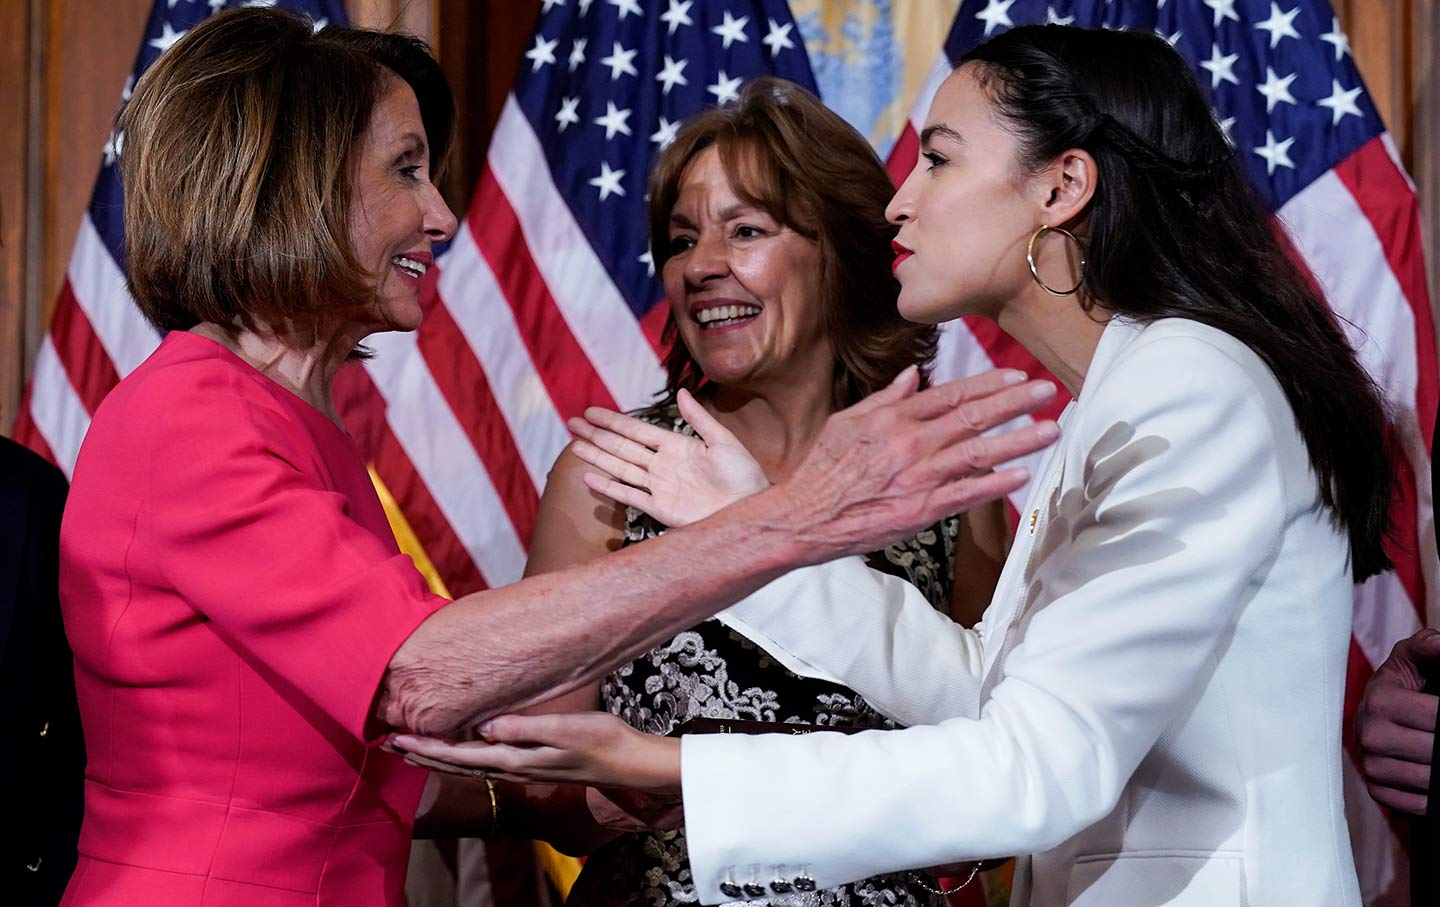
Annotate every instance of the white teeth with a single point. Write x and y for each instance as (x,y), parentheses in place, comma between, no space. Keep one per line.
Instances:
(726,313)
(410,266)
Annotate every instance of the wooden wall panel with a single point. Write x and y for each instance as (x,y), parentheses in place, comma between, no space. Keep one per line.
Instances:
(15,197)
(89,49)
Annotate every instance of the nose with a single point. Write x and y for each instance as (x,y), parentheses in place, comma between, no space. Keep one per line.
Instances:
(439,222)
(708,260)
(902,205)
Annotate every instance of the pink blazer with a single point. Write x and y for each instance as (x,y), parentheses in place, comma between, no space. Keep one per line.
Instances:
(233,595)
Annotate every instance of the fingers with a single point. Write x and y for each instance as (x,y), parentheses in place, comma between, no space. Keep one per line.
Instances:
(626,426)
(975,455)
(1399,800)
(1385,738)
(701,420)
(1407,708)
(1397,773)
(962,494)
(902,386)
(620,493)
(623,470)
(615,444)
(975,417)
(436,765)
(499,760)
(942,398)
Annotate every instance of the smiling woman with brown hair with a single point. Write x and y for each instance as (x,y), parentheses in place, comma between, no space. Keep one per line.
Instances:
(244,627)
(768,231)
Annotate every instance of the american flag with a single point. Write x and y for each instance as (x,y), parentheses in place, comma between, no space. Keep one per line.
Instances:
(545,302)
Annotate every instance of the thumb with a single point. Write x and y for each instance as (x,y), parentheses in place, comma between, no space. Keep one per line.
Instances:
(705,425)
(1425,645)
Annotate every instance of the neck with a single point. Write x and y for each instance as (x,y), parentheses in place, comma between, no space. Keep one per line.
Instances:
(1060,334)
(776,420)
(302,361)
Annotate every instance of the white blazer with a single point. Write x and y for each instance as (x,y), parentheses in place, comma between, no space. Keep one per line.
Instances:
(1150,708)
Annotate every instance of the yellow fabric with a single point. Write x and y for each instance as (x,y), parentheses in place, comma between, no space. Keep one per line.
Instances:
(560,869)
(405,536)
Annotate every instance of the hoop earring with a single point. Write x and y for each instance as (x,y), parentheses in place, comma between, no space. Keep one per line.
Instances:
(1035,272)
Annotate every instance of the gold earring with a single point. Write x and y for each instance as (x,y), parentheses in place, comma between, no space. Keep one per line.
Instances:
(1035,272)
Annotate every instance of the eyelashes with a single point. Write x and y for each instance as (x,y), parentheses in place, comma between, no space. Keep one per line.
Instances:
(680,244)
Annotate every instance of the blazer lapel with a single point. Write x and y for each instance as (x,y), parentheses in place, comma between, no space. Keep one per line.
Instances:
(1005,606)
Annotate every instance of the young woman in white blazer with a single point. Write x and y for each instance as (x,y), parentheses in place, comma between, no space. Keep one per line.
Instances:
(1149,712)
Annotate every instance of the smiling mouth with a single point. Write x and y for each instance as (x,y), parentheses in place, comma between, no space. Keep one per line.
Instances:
(410,266)
(721,316)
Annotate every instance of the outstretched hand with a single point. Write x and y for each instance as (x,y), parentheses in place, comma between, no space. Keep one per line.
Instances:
(898,460)
(903,458)
(592,748)
(675,478)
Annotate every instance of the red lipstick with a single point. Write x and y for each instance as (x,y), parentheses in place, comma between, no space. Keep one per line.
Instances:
(901,253)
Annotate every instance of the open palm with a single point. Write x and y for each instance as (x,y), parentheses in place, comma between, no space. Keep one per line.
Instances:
(674,478)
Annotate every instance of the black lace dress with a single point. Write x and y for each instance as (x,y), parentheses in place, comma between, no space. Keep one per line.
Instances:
(711,671)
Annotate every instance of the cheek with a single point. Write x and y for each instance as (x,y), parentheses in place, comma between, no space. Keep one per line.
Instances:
(780,274)
(672,281)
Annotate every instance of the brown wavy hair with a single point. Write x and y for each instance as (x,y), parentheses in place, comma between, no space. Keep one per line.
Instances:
(791,156)
(238,162)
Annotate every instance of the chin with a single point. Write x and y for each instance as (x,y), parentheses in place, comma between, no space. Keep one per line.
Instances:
(923,309)
(402,316)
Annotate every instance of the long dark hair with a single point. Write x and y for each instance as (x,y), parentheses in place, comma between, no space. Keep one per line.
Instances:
(1176,231)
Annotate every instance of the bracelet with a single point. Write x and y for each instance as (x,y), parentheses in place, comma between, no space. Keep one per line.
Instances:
(494,808)
(919,879)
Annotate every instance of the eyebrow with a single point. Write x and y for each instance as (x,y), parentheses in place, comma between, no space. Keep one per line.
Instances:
(415,141)
(679,220)
(940,129)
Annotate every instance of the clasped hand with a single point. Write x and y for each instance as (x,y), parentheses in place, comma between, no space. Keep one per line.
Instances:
(593,748)
(1395,725)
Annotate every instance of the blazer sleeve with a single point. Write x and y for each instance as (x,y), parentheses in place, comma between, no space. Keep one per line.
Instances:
(875,633)
(243,527)
(1183,505)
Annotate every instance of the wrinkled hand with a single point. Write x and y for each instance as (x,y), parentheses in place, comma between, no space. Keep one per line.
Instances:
(899,460)
(593,748)
(1395,725)
(675,478)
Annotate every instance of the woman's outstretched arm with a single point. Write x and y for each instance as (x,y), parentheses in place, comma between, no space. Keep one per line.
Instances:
(894,462)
